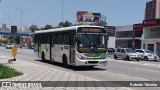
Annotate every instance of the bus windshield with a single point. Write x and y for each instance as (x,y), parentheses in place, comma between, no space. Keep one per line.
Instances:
(91,43)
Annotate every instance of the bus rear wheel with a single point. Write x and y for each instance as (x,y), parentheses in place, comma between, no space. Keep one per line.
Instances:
(65,63)
(42,56)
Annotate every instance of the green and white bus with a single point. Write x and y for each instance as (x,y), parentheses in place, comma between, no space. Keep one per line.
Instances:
(76,45)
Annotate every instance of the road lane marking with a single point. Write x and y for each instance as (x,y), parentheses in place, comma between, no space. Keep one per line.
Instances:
(147,70)
(138,63)
(146,64)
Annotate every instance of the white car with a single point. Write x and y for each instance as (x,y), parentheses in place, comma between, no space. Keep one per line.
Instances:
(147,55)
(9,46)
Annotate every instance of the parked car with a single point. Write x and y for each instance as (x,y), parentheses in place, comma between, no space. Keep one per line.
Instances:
(147,55)
(127,54)
(9,46)
(111,50)
(31,47)
(2,44)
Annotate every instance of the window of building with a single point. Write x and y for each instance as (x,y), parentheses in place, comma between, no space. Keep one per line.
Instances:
(151,47)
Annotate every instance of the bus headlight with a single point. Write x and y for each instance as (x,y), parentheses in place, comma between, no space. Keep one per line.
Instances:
(81,57)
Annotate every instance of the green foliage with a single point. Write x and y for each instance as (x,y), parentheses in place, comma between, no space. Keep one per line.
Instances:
(61,24)
(48,27)
(65,24)
(41,28)
(7,72)
(33,28)
(17,39)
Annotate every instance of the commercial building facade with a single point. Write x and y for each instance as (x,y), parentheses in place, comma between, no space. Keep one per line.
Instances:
(125,36)
(151,35)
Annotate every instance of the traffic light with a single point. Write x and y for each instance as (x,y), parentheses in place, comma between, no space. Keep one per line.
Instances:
(13,29)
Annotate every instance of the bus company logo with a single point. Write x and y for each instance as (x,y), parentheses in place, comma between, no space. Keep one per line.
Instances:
(6,84)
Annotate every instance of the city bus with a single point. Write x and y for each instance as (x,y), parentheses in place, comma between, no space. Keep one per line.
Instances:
(75,45)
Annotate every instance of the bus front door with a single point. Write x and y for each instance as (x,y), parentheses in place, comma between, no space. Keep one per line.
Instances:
(72,49)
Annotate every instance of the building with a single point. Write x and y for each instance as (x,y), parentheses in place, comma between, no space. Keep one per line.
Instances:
(23,29)
(111,36)
(128,36)
(3,38)
(123,36)
(151,35)
(152,10)
(137,35)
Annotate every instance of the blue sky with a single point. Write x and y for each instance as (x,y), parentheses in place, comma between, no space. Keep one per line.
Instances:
(42,12)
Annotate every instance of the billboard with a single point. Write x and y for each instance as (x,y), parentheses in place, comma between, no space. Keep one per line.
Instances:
(4,27)
(85,16)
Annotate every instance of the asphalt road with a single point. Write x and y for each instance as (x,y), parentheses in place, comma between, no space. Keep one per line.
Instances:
(116,70)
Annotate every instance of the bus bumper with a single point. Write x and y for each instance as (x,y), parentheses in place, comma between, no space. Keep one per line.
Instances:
(79,62)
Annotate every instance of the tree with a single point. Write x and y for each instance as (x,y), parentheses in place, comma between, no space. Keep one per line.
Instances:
(65,24)
(17,39)
(48,27)
(61,24)
(42,28)
(33,28)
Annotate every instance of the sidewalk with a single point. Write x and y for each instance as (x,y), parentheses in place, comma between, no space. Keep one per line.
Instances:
(35,72)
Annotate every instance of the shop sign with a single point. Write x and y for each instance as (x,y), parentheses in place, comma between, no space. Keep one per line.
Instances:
(138,26)
(158,43)
(151,22)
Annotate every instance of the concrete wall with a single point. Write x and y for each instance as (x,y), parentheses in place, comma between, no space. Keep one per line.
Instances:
(111,42)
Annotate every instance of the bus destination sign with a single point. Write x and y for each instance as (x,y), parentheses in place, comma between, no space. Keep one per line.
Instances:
(91,30)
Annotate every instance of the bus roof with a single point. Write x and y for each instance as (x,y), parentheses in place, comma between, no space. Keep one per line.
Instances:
(65,28)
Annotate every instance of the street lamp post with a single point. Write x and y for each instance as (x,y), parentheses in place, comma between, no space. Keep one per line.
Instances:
(21,13)
(62,9)
(21,30)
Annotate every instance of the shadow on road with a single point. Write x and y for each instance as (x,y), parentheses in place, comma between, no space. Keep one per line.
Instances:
(75,68)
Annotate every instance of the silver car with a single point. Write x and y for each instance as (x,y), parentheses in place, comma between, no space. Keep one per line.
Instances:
(127,53)
(9,46)
(147,55)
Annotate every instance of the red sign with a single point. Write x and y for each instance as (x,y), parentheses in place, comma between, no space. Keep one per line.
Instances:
(85,16)
(151,22)
(158,43)
(138,27)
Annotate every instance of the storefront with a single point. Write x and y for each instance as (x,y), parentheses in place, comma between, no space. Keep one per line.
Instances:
(124,36)
(137,35)
(151,35)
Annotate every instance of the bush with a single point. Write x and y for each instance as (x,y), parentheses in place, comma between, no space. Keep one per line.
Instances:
(7,72)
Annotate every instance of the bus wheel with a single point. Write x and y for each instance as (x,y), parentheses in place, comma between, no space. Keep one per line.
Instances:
(65,63)
(42,56)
